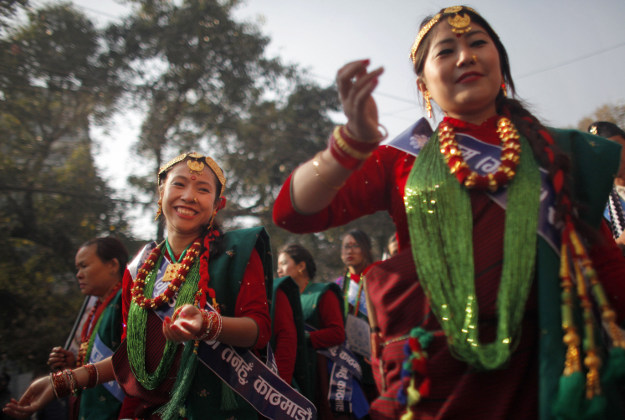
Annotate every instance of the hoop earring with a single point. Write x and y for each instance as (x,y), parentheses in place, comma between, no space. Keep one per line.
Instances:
(428,104)
(504,90)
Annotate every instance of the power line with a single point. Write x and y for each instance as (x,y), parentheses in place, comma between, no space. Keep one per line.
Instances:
(572,60)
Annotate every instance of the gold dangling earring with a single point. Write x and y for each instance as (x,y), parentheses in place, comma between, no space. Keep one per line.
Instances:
(211,221)
(504,90)
(159,211)
(428,104)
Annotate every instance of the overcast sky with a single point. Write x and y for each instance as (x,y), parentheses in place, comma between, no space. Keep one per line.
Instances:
(567,56)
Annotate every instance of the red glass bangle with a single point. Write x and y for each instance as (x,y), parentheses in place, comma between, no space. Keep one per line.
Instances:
(60,385)
(346,161)
(358,145)
(93,375)
(214,324)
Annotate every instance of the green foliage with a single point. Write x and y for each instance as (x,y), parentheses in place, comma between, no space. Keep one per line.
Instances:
(204,83)
(8,10)
(207,85)
(197,73)
(52,82)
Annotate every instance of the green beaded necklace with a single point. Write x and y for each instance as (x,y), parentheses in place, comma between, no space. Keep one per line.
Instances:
(440,223)
(136,332)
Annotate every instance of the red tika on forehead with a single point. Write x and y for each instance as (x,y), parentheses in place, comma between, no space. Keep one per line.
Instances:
(196,164)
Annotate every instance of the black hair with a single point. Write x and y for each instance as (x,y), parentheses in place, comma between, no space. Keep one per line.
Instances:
(606,129)
(298,254)
(504,62)
(109,248)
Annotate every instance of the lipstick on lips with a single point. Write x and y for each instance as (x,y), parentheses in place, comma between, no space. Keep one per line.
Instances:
(469,76)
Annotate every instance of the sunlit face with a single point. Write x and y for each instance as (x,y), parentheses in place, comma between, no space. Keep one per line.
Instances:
(95,277)
(351,253)
(462,73)
(288,267)
(188,200)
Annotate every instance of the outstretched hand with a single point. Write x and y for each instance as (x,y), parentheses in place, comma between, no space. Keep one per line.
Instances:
(184,326)
(355,85)
(37,396)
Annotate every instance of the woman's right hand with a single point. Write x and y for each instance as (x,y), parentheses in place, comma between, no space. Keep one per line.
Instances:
(61,359)
(355,85)
(38,395)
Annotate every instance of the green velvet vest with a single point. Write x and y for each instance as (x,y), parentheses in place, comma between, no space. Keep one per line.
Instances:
(310,298)
(98,403)
(595,162)
(301,380)
(226,275)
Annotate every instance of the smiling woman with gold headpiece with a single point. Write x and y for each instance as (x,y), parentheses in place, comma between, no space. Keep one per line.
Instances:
(187,303)
(500,238)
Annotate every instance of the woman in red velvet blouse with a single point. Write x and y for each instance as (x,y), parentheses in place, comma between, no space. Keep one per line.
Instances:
(485,217)
(326,316)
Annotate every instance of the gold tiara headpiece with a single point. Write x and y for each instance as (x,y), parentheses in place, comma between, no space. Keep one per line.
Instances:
(459,21)
(195,162)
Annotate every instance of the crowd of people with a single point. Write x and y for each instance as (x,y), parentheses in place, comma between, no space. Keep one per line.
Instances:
(500,295)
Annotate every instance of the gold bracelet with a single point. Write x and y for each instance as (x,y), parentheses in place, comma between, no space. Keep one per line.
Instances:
(316,164)
(383,135)
(349,150)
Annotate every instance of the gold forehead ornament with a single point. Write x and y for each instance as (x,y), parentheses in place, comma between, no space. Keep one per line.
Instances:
(195,163)
(460,24)
(195,166)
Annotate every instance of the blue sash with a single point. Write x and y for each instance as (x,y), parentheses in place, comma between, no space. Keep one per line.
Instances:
(271,360)
(100,351)
(340,355)
(344,370)
(340,394)
(239,368)
(483,158)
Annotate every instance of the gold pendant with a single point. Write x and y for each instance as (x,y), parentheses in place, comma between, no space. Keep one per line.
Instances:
(171,272)
(82,350)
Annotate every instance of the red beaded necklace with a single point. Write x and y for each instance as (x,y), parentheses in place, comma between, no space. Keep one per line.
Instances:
(510,151)
(138,296)
(92,321)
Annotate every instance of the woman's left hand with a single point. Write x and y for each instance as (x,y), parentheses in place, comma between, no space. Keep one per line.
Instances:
(185,326)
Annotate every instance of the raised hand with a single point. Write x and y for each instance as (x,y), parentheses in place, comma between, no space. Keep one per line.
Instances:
(355,85)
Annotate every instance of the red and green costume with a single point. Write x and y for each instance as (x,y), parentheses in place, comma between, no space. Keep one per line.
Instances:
(99,402)
(526,386)
(241,279)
